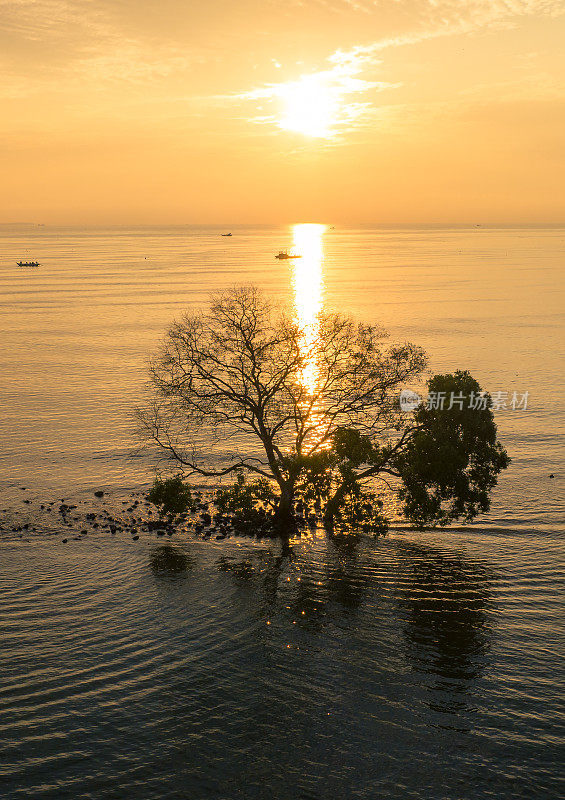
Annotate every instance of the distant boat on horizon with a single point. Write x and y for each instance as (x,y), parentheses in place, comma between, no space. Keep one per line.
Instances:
(284,254)
(226,234)
(28,263)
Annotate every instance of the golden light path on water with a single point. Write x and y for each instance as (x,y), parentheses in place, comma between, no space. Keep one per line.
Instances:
(308,285)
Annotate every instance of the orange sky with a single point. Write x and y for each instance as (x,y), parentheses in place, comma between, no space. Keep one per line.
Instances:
(339,111)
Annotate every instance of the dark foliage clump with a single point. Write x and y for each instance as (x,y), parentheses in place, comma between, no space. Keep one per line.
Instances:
(247,505)
(171,495)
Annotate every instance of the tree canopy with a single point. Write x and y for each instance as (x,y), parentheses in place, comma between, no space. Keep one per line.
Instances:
(242,388)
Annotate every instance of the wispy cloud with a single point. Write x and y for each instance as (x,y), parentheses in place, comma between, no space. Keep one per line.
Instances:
(35,20)
(60,46)
(470,11)
(431,19)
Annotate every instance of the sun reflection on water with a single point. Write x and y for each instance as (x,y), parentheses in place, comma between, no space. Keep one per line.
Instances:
(308,284)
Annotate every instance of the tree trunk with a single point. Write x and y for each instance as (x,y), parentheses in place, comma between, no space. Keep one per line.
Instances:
(284,514)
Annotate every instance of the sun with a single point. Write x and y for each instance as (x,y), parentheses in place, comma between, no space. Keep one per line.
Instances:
(311,106)
(318,105)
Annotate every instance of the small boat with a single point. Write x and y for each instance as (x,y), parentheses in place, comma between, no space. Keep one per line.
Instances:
(28,263)
(226,234)
(284,254)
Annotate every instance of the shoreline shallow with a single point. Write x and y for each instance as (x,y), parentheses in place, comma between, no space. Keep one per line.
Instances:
(74,516)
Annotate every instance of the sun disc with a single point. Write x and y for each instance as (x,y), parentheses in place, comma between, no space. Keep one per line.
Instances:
(310,107)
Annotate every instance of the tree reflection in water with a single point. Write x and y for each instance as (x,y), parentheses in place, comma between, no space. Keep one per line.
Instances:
(168,562)
(336,578)
(441,601)
(447,628)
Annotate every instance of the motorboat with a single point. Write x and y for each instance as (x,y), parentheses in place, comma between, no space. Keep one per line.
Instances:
(284,254)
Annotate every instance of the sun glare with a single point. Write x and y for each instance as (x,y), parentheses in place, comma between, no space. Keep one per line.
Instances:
(323,104)
(311,107)
(308,286)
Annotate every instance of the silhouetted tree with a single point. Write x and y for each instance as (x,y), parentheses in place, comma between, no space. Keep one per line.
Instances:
(451,460)
(236,374)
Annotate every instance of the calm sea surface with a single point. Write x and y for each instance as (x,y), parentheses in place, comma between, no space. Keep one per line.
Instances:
(420,665)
